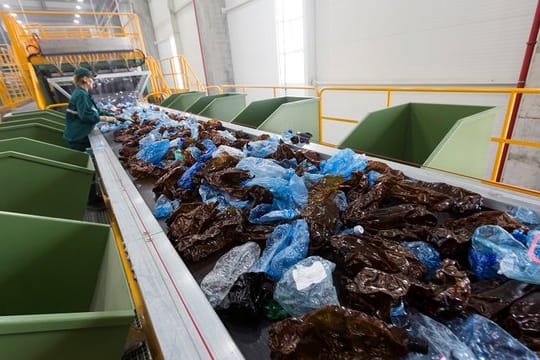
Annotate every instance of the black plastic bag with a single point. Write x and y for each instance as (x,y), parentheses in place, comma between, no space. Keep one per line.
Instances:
(247,298)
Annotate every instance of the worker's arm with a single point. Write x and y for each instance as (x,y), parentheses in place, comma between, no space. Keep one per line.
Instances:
(86,110)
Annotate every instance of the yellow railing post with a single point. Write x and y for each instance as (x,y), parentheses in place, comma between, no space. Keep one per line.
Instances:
(504,135)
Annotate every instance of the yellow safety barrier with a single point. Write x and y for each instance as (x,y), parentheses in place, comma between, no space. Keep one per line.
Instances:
(182,75)
(503,141)
(13,90)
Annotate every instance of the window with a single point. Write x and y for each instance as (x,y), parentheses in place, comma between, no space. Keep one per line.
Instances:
(290,41)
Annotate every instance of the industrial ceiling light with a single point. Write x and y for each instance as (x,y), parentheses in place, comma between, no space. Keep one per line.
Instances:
(80,0)
(13,14)
(77,16)
(6,6)
(76,21)
(78,7)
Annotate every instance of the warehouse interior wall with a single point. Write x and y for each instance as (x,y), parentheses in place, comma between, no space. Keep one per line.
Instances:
(360,42)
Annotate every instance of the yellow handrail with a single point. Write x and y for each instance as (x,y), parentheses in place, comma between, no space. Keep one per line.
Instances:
(273,87)
(54,106)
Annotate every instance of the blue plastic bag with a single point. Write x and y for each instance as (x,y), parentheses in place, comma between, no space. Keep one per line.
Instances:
(494,251)
(372,177)
(164,207)
(426,254)
(154,152)
(265,214)
(264,168)
(186,181)
(488,340)
(344,163)
(307,286)
(442,342)
(290,194)
(525,216)
(210,194)
(287,245)
(261,148)
(194,151)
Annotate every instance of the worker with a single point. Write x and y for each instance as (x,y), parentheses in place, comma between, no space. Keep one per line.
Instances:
(82,115)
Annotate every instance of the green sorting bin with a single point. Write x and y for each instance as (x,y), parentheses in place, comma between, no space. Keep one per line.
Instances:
(42,121)
(182,101)
(454,138)
(64,291)
(39,186)
(222,107)
(34,131)
(169,99)
(301,114)
(46,114)
(47,151)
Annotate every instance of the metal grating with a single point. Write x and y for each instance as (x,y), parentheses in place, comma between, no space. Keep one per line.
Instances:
(96,216)
(141,352)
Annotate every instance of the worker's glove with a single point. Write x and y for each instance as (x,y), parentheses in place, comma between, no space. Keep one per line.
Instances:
(109,119)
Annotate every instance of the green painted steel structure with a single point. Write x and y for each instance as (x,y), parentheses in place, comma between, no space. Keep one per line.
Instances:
(42,121)
(223,107)
(34,131)
(39,186)
(300,114)
(64,292)
(429,135)
(182,101)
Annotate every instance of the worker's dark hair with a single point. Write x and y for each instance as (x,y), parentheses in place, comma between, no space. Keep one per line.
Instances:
(79,80)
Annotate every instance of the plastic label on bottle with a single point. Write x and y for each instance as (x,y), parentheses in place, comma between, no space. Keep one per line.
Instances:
(305,276)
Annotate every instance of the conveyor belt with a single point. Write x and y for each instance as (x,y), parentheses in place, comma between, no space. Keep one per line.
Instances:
(185,323)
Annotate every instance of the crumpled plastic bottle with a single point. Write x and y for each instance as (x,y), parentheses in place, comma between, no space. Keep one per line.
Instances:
(426,254)
(488,340)
(442,342)
(153,153)
(150,138)
(193,125)
(227,135)
(340,199)
(164,207)
(217,283)
(307,286)
(287,245)
(494,251)
(344,163)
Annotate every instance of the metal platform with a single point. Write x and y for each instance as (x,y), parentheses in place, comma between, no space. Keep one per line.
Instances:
(185,324)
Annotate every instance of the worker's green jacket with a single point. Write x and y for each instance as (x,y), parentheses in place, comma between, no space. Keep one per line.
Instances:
(82,115)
